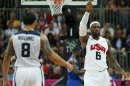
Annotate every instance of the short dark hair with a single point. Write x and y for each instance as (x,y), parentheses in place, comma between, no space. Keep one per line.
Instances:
(29,18)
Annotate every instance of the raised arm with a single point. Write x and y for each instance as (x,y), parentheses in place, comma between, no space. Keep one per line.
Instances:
(112,60)
(55,58)
(83,36)
(6,62)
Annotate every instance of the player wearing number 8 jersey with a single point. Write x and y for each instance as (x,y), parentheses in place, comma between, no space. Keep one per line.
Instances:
(26,45)
(98,49)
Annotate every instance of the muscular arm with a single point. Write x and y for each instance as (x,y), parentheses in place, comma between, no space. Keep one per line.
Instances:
(83,36)
(112,60)
(7,57)
(50,53)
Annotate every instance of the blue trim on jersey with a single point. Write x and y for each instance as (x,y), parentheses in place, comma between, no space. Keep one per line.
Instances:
(34,32)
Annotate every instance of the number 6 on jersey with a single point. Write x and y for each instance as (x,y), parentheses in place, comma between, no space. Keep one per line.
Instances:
(98,55)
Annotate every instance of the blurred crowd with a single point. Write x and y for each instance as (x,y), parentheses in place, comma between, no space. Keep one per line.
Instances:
(114,26)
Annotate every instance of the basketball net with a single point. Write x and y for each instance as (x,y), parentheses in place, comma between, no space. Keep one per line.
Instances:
(56,6)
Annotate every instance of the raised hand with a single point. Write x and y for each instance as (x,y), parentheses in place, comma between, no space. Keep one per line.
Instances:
(89,6)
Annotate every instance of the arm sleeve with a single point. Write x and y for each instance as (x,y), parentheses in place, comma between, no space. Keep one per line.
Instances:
(83,24)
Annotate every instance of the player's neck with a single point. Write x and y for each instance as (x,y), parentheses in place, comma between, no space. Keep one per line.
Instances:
(95,37)
(28,28)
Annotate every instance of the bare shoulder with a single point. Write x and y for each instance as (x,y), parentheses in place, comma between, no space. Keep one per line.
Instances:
(43,40)
(43,37)
(45,46)
(108,42)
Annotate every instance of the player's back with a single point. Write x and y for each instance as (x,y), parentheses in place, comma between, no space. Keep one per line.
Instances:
(95,59)
(27,47)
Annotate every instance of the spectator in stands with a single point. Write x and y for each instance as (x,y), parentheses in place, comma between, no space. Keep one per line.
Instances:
(63,31)
(49,17)
(110,12)
(123,13)
(51,39)
(10,31)
(37,28)
(51,29)
(62,52)
(107,35)
(56,73)
(42,22)
(118,42)
(73,77)
(111,73)
(16,23)
(119,26)
(107,27)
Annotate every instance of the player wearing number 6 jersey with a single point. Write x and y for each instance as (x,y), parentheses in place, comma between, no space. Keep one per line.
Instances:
(26,45)
(98,49)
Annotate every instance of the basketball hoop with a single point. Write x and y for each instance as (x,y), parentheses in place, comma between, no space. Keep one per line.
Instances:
(56,6)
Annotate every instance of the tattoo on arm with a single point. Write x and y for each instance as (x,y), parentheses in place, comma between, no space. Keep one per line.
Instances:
(46,46)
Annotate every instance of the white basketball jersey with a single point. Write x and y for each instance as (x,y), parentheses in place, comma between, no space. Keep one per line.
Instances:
(95,58)
(27,47)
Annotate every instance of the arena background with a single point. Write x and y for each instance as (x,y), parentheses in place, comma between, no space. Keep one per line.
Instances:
(114,15)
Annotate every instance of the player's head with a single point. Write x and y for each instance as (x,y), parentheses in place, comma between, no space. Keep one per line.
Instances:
(76,50)
(29,19)
(95,28)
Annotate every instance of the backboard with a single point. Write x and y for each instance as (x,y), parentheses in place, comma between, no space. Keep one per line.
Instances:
(45,3)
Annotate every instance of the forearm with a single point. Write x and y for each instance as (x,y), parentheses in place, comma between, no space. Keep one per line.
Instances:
(57,59)
(83,24)
(5,68)
(115,64)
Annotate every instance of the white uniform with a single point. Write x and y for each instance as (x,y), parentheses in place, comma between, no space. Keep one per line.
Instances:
(95,63)
(28,68)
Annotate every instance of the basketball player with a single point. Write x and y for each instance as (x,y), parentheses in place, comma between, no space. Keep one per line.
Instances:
(73,76)
(97,49)
(26,45)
